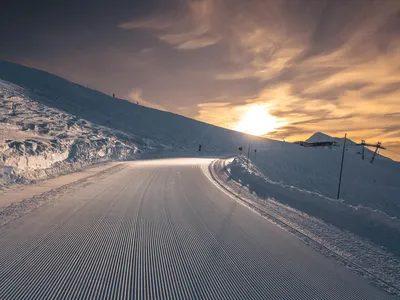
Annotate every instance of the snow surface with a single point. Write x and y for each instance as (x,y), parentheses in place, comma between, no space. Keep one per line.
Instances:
(38,141)
(351,146)
(375,186)
(58,126)
(161,230)
(307,179)
(362,256)
(50,126)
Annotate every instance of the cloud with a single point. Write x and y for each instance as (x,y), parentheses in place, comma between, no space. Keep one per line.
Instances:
(384,90)
(136,96)
(189,41)
(331,66)
(325,65)
(152,23)
(217,113)
(316,65)
(193,31)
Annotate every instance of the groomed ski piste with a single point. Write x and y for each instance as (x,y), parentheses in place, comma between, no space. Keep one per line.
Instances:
(160,229)
(50,127)
(378,265)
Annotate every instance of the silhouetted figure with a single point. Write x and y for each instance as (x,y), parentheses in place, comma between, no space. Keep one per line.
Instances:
(199,147)
(137,102)
(113,95)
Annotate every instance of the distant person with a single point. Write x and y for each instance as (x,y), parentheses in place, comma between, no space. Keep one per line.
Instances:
(113,95)
(137,102)
(199,148)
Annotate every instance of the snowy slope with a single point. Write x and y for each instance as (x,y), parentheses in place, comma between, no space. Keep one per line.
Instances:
(322,137)
(38,141)
(317,170)
(351,146)
(171,131)
(47,124)
(307,179)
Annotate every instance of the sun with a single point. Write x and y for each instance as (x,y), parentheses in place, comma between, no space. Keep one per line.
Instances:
(256,121)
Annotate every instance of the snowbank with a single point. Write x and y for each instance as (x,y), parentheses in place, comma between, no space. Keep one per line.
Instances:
(38,141)
(305,179)
(359,254)
(374,186)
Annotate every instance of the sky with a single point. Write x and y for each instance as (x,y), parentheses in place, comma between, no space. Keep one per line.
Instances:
(313,65)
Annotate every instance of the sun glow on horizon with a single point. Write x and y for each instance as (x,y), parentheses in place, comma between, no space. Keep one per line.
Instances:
(256,121)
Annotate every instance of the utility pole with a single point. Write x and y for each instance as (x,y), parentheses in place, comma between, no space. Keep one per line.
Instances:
(341,166)
(362,149)
(376,150)
(377,146)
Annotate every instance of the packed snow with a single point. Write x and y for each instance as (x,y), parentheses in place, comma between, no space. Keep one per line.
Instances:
(307,179)
(376,263)
(160,230)
(50,126)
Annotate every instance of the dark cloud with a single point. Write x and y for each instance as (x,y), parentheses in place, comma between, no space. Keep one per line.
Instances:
(393,128)
(334,92)
(384,90)
(390,115)
(323,119)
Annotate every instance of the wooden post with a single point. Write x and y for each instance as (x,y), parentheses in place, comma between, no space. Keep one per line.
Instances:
(362,149)
(341,166)
(376,150)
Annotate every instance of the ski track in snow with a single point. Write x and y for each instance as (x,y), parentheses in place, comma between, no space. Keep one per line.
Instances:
(361,256)
(157,230)
(141,233)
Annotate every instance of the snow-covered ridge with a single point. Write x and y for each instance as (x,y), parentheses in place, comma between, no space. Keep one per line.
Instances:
(38,141)
(171,132)
(49,125)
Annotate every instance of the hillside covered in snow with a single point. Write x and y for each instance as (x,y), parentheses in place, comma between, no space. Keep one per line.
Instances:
(37,141)
(49,125)
(306,179)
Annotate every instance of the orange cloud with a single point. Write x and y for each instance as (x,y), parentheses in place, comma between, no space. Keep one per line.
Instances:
(326,65)
(136,96)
